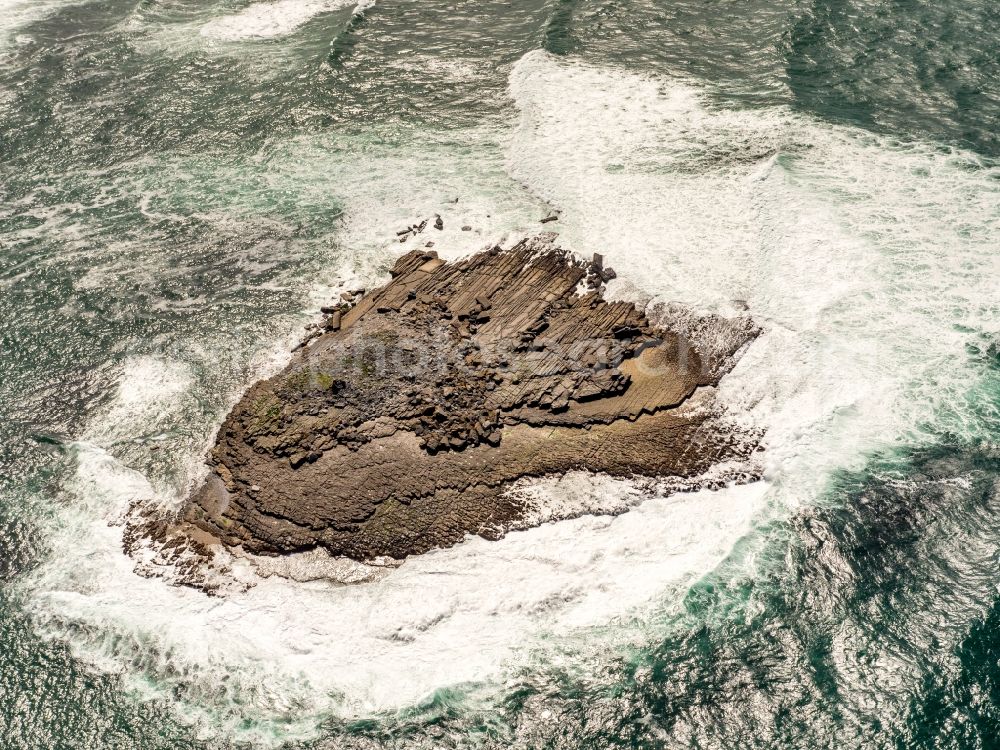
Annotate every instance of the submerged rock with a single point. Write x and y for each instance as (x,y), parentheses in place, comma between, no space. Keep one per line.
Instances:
(399,429)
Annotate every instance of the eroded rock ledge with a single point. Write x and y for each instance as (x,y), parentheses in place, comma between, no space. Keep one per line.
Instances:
(397,427)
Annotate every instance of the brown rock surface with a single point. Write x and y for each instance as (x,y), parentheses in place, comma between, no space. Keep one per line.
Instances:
(397,428)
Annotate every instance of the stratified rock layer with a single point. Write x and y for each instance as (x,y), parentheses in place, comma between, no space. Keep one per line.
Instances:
(399,426)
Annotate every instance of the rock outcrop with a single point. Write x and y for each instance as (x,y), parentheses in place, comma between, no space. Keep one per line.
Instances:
(397,427)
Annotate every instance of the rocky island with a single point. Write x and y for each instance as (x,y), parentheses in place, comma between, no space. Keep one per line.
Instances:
(399,425)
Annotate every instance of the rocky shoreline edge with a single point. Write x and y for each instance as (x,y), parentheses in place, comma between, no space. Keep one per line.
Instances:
(413,415)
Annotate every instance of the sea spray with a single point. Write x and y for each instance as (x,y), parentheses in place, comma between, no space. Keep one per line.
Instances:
(868,262)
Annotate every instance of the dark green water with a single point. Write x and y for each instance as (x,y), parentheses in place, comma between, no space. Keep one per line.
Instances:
(183,183)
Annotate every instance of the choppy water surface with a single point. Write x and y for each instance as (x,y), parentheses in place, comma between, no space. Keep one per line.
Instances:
(183,183)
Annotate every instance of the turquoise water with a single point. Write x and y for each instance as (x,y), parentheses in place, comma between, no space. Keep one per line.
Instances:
(182,184)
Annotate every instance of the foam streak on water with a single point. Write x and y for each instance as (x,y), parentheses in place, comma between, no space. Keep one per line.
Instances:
(15,14)
(267,20)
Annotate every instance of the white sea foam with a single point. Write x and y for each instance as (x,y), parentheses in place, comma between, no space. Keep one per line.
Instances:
(268,20)
(150,391)
(289,653)
(16,14)
(459,175)
(870,263)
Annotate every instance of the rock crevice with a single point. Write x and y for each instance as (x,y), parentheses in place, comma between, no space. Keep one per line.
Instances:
(398,425)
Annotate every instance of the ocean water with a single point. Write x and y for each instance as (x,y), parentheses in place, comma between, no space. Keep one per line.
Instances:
(183,184)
